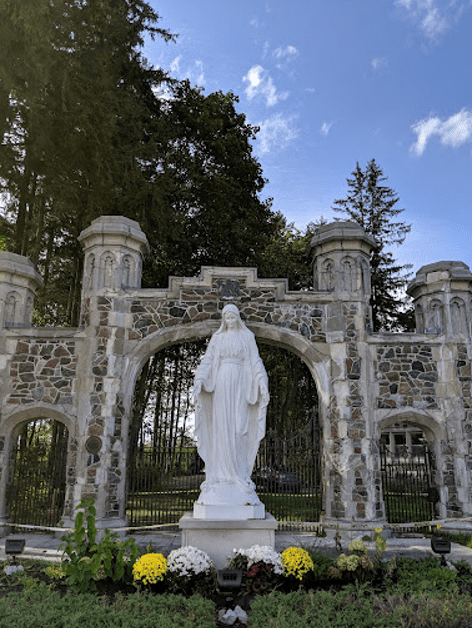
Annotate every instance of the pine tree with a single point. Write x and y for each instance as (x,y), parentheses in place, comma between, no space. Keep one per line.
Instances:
(374,207)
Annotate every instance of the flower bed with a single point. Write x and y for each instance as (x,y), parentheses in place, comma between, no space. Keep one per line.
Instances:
(301,576)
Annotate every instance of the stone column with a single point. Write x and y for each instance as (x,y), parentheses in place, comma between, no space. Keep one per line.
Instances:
(442,293)
(114,249)
(18,284)
(341,253)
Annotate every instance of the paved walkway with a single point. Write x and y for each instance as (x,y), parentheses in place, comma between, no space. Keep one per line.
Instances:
(46,546)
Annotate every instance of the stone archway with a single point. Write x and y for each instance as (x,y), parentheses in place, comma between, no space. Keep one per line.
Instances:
(316,360)
(410,454)
(40,463)
(88,373)
(142,472)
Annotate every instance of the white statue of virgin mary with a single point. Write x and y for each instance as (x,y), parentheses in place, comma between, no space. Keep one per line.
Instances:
(231,396)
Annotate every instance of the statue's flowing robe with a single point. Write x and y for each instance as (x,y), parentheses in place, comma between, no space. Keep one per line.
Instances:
(230,412)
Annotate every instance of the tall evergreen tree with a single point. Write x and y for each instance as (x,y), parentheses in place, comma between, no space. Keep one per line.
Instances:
(87,130)
(76,108)
(374,207)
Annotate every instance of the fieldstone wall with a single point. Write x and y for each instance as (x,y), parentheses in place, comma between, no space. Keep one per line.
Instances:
(199,304)
(42,369)
(85,377)
(407,376)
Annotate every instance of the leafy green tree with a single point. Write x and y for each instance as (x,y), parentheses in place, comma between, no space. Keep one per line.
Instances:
(288,253)
(76,108)
(374,207)
(90,129)
(209,183)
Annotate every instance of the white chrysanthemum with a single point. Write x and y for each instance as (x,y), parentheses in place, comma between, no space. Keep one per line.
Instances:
(263,554)
(188,561)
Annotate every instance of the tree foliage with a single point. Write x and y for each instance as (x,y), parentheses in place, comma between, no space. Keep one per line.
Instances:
(374,207)
(288,253)
(90,129)
(76,108)
(208,184)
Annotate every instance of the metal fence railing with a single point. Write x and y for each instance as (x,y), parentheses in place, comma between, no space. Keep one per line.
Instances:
(409,490)
(37,486)
(163,485)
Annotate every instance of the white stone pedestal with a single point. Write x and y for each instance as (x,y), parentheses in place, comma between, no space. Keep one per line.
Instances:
(218,537)
(237,513)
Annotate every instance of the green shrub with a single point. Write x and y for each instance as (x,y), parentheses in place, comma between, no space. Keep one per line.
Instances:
(464,571)
(87,560)
(322,609)
(424,611)
(325,609)
(462,539)
(42,608)
(321,565)
(420,576)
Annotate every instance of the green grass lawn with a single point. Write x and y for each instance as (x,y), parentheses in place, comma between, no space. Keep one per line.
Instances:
(163,507)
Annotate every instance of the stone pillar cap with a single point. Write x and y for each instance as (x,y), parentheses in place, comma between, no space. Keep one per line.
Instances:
(341,230)
(12,264)
(452,270)
(113,226)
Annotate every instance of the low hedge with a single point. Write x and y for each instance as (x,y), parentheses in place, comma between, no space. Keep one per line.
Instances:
(39,607)
(349,609)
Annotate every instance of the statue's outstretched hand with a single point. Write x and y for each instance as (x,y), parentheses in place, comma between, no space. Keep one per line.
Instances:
(197,389)
(264,394)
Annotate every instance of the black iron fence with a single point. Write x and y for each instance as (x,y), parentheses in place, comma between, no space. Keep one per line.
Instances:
(409,489)
(288,479)
(163,485)
(37,485)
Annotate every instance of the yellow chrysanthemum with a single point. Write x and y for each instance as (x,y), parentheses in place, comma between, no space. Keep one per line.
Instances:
(150,569)
(296,562)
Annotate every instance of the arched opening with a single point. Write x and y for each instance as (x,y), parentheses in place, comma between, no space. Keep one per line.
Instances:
(408,468)
(37,472)
(288,465)
(164,468)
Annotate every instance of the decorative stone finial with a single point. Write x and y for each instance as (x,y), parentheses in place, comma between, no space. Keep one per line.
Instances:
(114,248)
(19,281)
(341,253)
(442,293)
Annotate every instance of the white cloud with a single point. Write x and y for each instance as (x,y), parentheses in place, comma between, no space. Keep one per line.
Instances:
(261,84)
(285,56)
(201,74)
(175,65)
(433,17)
(276,132)
(289,53)
(453,132)
(326,127)
(378,63)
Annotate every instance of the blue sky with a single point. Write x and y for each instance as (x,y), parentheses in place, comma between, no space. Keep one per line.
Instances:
(336,82)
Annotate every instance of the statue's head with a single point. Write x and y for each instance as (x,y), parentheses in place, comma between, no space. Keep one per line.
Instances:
(231,318)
